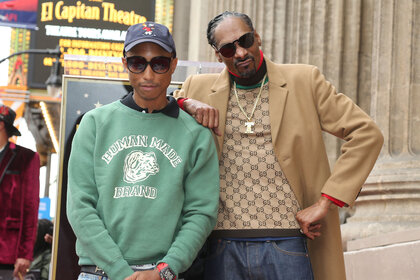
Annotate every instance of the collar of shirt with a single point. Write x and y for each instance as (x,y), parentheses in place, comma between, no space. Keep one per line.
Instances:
(171,110)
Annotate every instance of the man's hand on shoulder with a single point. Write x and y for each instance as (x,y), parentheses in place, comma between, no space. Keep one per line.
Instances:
(309,217)
(204,114)
(145,275)
(21,267)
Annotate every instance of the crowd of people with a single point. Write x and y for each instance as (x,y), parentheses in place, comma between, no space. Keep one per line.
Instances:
(226,179)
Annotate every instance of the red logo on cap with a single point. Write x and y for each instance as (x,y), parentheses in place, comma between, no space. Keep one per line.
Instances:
(4,110)
(148,28)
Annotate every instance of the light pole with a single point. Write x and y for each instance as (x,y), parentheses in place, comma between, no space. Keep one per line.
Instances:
(54,79)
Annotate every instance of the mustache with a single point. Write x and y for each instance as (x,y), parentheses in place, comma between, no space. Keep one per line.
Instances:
(244,59)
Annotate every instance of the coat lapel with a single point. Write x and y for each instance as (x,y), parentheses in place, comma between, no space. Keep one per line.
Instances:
(277,98)
(219,98)
(278,94)
(7,160)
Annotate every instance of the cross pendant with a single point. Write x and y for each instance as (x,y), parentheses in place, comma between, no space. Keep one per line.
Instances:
(249,126)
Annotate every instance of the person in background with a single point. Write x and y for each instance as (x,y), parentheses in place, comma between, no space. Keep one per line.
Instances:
(143,178)
(276,187)
(40,266)
(19,196)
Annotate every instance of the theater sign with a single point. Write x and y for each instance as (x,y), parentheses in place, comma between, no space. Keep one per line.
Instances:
(84,27)
(106,12)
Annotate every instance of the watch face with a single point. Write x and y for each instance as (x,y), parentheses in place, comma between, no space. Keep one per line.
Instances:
(167,274)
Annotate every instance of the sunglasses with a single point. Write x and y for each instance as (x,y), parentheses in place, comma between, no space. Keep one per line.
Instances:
(245,41)
(159,64)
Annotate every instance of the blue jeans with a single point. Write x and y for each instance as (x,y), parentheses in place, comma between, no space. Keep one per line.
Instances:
(266,260)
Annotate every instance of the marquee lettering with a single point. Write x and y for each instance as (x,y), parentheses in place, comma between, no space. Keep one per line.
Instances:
(60,11)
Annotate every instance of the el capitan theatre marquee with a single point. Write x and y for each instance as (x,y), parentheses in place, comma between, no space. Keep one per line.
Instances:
(84,27)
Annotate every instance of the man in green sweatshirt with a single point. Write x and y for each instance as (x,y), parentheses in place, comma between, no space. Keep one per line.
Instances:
(143,179)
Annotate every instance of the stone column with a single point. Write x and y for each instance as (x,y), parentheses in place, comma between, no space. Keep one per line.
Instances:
(390,199)
(181,27)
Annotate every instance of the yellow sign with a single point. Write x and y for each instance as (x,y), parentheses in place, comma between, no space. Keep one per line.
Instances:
(107,12)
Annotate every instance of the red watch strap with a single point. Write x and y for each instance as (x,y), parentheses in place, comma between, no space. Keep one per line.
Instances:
(161,266)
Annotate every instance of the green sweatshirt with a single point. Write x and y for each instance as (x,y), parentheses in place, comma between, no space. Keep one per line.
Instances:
(142,188)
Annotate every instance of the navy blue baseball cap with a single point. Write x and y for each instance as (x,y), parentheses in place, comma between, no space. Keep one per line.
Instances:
(149,32)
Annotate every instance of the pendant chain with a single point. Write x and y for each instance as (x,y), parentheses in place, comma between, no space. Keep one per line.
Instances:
(256,101)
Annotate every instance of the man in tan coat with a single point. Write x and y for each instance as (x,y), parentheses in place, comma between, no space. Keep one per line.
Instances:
(276,184)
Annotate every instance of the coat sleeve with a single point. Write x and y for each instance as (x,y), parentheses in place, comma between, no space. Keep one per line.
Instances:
(339,116)
(183,92)
(82,197)
(30,184)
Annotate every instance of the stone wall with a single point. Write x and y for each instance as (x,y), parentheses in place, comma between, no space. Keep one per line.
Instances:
(368,49)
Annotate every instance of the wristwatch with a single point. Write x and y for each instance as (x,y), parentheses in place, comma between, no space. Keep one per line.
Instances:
(165,272)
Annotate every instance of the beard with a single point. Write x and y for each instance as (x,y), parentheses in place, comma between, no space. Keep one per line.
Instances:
(247,71)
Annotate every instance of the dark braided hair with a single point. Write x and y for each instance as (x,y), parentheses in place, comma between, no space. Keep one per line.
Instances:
(219,18)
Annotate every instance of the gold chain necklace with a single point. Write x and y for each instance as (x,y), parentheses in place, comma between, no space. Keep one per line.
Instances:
(249,124)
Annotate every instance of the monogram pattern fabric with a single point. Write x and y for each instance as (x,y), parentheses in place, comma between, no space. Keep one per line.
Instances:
(254,192)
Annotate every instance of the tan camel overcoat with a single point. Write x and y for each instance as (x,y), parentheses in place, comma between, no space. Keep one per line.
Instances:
(302,104)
